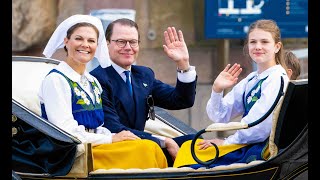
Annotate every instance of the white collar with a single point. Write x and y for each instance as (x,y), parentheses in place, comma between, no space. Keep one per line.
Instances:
(72,74)
(119,69)
(268,71)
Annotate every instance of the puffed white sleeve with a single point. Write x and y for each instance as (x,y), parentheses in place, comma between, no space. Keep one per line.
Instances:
(222,109)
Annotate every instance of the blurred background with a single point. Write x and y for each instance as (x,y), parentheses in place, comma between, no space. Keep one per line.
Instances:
(213,30)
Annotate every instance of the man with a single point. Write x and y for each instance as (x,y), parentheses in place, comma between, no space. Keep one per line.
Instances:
(126,106)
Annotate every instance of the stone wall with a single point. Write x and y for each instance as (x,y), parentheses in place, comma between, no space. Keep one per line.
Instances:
(32,23)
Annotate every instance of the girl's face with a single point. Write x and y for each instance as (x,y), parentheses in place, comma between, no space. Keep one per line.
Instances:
(82,45)
(262,48)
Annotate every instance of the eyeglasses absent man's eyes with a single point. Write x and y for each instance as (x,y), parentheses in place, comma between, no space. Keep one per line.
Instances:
(121,43)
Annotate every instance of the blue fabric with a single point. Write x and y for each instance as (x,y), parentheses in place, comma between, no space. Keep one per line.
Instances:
(244,155)
(127,73)
(181,139)
(35,152)
(123,112)
(90,116)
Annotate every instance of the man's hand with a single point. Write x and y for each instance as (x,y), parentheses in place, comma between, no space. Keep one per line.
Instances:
(176,48)
(172,147)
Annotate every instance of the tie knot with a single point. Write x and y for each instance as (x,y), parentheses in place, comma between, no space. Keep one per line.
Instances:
(127,73)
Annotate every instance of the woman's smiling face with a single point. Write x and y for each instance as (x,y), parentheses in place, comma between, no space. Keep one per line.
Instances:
(82,45)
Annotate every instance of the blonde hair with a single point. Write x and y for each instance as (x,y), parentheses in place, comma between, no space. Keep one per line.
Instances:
(293,63)
(271,27)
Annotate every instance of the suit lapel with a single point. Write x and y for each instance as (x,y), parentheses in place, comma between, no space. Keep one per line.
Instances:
(141,91)
(122,94)
(141,87)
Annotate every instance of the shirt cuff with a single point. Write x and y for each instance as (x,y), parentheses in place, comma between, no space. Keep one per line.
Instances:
(189,76)
(161,139)
(232,139)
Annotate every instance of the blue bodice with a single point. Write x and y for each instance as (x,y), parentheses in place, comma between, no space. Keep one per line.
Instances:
(86,112)
(253,95)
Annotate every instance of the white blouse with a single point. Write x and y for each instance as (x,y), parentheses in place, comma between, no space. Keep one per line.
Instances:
(223,109)
(55,93)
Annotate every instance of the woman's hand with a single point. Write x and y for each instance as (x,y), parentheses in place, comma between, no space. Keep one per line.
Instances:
(207,143)
(124,135)
(227,78)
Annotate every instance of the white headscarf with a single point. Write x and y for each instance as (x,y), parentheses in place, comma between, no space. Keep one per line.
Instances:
(57,39)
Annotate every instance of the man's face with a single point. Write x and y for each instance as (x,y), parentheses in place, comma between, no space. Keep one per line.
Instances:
(123,56)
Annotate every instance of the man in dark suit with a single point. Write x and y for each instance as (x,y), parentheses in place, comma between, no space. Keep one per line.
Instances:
(126,106)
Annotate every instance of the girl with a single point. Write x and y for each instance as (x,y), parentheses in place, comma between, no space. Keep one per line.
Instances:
(251,97)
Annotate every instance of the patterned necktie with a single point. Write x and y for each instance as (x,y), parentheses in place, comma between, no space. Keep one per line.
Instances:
(127,73)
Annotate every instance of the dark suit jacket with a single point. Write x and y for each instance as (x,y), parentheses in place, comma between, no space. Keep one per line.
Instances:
(122,112)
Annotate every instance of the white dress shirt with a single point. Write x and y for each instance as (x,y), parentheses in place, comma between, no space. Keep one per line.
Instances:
(222,109)
(55,93)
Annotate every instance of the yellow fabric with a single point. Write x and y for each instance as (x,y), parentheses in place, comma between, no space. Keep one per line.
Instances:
(184,156)
(266,152)
(141,154)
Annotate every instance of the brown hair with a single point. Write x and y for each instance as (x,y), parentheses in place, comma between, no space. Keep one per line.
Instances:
(293,63)
(122,21)
(76,26)
(272,27)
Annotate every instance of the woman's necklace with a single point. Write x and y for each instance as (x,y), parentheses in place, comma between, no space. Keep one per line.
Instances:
(84,81)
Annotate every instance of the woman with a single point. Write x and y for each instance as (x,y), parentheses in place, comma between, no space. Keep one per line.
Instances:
(71,98)
(251,97)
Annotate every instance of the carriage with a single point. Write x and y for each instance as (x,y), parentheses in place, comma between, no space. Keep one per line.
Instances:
(288,142)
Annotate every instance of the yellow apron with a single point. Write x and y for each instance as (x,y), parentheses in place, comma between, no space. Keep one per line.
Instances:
(129,154)
(184,156)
